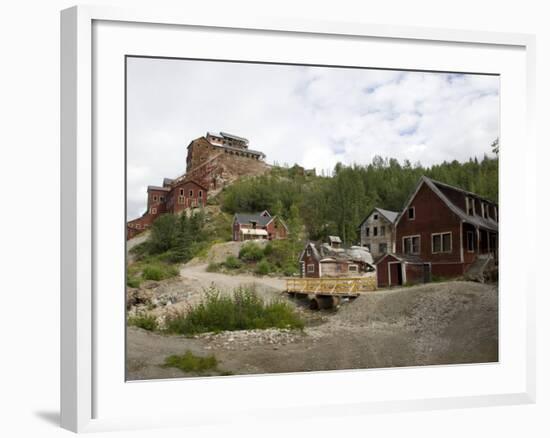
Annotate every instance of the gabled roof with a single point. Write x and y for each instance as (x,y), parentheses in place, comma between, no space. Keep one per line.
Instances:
(388,214)
(407,258)
(161,189)
(247,218)
(314,251)
(477,221)
(186,181)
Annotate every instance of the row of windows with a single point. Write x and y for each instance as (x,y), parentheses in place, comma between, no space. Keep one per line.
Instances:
(375,231)
(182,193)
(382,247)
(441,243)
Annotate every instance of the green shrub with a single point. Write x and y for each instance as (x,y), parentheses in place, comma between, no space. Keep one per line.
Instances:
(244,310)
(159,271)
(132,281)
(251,252)
(144,321)
(232,262)
(188,362)
(263,268)
(213,267)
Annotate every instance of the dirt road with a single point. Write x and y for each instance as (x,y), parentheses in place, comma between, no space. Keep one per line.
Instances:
(442,323)
(199,274)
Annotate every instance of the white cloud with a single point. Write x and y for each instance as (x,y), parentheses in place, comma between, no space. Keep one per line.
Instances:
(309,115)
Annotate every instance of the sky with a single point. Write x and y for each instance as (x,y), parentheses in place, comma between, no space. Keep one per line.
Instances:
(312,116)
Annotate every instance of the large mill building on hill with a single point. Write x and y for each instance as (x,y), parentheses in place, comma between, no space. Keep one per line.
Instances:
(213,161)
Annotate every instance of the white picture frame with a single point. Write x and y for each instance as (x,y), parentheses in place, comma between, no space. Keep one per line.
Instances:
(90,401)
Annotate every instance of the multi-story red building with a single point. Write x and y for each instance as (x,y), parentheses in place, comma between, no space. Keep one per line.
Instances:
(441,231)
(172,197)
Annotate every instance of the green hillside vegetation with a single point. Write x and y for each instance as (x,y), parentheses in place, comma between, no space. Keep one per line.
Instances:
(176,239)
(313,207)
(336,205)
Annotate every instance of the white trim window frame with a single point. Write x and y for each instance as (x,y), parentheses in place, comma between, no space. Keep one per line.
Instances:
(412,236)
(441,248)
(310,268)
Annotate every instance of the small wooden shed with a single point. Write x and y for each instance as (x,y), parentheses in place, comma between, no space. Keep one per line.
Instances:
(401,269)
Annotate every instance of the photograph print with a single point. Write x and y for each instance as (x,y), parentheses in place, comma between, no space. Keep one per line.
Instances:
(287,218)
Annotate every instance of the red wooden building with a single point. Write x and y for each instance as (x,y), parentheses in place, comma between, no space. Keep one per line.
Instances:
(442,229)
(258,226)
(174,196)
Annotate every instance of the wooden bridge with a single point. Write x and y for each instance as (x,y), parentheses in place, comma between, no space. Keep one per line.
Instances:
(327,292)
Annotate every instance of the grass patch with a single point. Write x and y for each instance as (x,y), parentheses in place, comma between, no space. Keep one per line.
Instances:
(144,321)
(263,268)
(232,262)
(133,281)
(158,271)
(244,310)
(213,267)
(188,362)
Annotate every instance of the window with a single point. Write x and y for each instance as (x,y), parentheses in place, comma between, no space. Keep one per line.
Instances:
(310,269)
(162,198)
(200,193)
(367,231)
(181,192)
(190,193)
(308,251)
(411,213)
(441,242)
(383,248)
(382,230)
(375,217)
(153,211)
(411,245)
(470,241)
(375,231)
(180,199)
(155,198)
(352,268)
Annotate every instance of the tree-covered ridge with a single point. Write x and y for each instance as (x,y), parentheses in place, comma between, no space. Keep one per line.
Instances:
(338,203)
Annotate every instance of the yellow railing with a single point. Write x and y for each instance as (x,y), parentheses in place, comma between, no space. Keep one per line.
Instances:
(331,286)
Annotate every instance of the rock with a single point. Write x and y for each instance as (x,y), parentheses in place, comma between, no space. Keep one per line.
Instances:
(136,297)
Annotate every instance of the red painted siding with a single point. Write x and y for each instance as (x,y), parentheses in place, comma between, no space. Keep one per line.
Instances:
(431,216)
